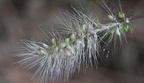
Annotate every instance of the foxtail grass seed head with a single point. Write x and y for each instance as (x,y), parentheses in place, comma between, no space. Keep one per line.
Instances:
(62,56)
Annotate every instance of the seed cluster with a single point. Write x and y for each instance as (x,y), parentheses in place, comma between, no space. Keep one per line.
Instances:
(61,57)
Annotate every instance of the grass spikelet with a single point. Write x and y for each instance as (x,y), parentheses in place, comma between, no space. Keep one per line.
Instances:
(62,56)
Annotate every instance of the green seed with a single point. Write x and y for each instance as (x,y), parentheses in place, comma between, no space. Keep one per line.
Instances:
(53,47)
(121,15)
(125,27)
(67,40)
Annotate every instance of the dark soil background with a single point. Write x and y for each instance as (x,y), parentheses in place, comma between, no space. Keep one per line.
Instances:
(19,19)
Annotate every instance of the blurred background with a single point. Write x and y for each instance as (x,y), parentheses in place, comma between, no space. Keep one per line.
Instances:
(19,19)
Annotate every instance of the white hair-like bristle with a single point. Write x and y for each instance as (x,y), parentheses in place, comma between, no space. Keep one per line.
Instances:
(61,57)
